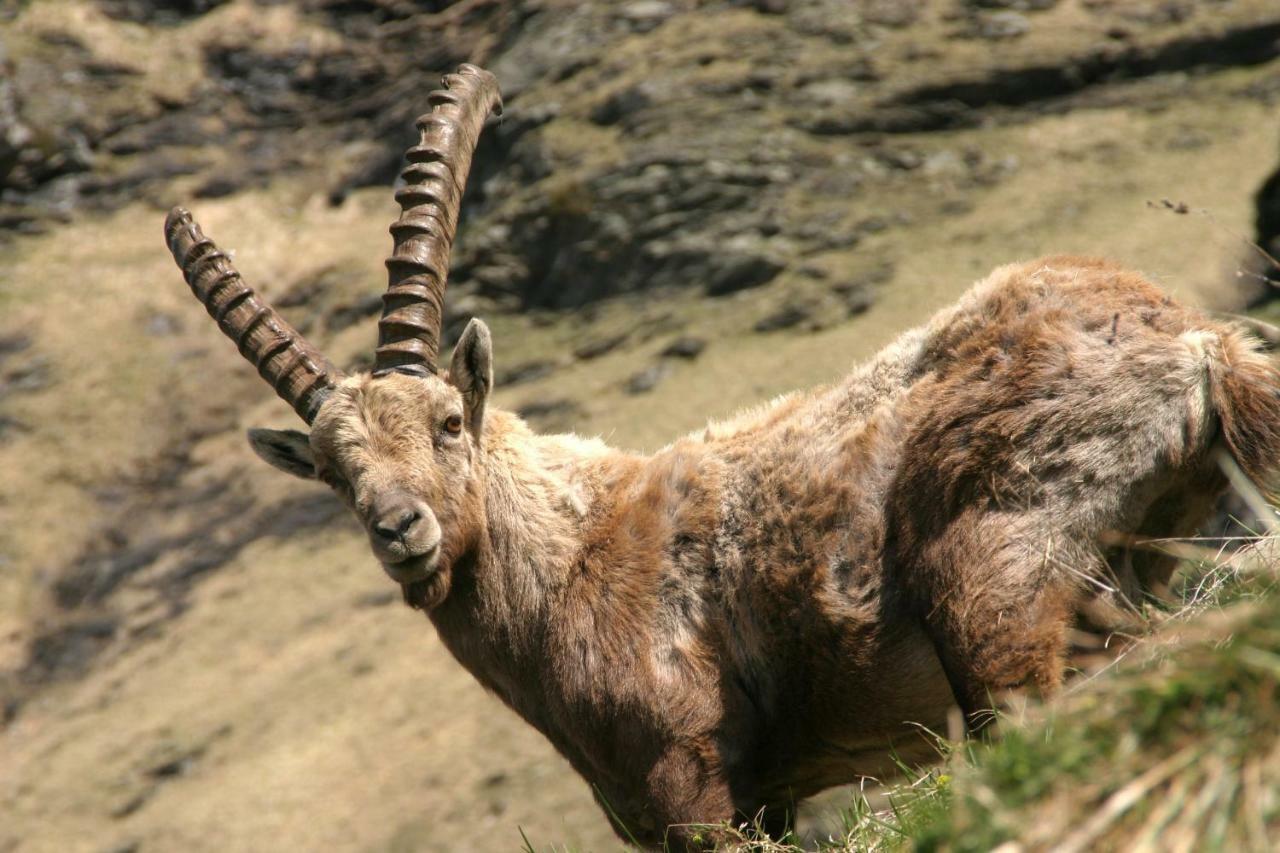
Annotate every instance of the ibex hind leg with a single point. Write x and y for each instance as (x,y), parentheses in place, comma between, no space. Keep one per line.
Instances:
(997,606)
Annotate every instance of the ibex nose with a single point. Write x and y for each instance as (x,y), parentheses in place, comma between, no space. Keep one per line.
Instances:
(395,524)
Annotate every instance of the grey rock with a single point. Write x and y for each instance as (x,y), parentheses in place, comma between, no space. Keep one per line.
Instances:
(832,92)
(124,847)
(789,315)
(645,15)
(553,414)
(377,598)
(1015,5)
(12,343)
(1188,139)
(1000,25)
(307,290)
(646,380)
(10,427)
(738,269)
(68,648)
(891,13)
(162,325)
(600,346)
(858,300)
(162,12)
(901,159)
(944,163)
(353,312)
(526,371)
(686,347)
(219,186)
(622,104)
(771,7)
(35,374)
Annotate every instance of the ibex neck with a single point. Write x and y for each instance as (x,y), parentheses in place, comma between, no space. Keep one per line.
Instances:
(539,492)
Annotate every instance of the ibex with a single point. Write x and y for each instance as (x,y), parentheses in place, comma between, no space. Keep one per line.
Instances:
(772,605)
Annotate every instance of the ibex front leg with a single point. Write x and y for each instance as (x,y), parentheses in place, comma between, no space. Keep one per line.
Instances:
(996,604)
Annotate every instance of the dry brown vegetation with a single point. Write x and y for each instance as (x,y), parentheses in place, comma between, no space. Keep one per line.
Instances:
(190,663)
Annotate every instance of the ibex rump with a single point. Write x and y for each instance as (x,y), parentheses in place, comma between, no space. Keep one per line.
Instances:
(764,609)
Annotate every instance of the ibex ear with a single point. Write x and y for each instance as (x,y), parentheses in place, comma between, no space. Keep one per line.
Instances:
(286,449)
(471,372)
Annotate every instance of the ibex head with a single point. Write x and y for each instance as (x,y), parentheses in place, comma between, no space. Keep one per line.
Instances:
(401,444)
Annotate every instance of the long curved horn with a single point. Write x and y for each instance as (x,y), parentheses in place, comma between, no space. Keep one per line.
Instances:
(299,373)
(413,306)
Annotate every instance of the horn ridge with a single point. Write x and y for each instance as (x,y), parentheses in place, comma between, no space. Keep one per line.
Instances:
(270,352)
(298,372)
(229,304)
(435,177)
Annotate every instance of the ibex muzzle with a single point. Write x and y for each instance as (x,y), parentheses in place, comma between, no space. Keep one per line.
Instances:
(405,535)
(785,601)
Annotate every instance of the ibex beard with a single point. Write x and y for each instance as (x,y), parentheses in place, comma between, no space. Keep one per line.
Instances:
(782,602)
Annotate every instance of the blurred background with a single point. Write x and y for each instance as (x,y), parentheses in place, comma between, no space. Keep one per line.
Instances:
(688,207)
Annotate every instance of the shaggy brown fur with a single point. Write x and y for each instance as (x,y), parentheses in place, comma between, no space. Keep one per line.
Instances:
(771,607)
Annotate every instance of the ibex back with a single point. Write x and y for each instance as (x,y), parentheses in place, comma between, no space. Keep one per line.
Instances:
(774,605)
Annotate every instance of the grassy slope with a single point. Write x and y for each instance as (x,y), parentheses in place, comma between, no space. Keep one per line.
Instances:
(1178,752)
(284,703)
(1174,747)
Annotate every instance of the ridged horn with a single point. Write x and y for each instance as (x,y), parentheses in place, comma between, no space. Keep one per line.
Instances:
(418,269)
(295,369)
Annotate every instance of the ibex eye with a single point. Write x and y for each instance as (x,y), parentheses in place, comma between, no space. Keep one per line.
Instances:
(453,424)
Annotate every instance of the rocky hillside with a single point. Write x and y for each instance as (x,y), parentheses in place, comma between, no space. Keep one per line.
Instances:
(686,208)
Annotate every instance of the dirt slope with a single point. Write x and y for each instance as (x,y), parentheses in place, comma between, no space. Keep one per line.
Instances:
(196,652)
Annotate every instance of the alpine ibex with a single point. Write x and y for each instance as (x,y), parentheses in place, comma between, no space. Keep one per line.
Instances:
(765,608)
